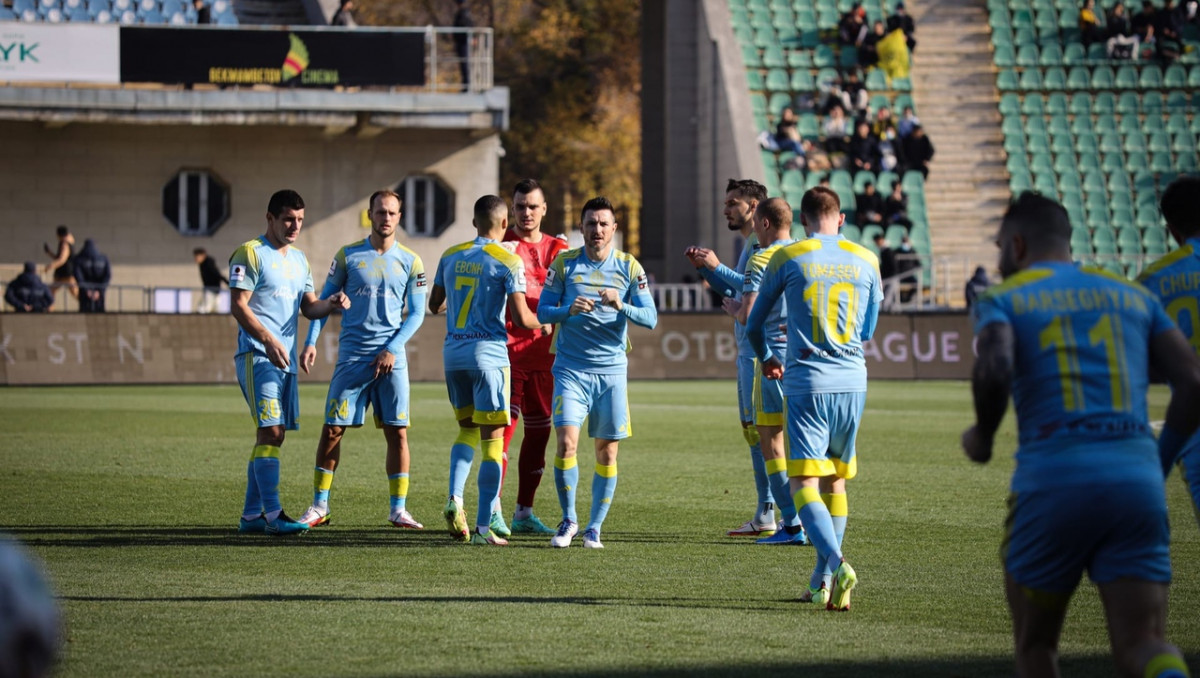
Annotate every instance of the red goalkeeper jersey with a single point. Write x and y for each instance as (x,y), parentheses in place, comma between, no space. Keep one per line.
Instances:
(530,349)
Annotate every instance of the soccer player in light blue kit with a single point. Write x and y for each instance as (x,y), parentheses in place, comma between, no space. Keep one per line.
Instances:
(772,228)
(473,283)
(270,284)
(1073,346)
(1175,280)
(592,293)
(384,278)
(833,292)
(741,199)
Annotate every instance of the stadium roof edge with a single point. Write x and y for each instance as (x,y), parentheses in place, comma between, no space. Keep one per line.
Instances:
(488,109)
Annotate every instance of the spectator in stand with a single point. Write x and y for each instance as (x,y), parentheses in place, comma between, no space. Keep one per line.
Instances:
(855,95)
(211,278)
(203,12)
(787,134)
(462,41)
(863,150)
(93,273)
(887,264)
(27,293)
(62,262)
(900,20)
(1122,40)
(870,205)
(906,260)
(884,126)
(908,120)
(918,151)
(895,208)
(1143,22)
(836,129)
(976,286)
(868,51)
(1167,28)
(852,28)
(1089,23)
(344,16)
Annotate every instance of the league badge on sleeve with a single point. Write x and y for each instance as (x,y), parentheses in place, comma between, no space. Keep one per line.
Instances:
(333,267)
(550,276)
(420,281)
(642,282)
(237,273)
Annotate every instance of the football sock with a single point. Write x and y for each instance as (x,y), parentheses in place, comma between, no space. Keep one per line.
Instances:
(522,512)
(818,524)
(777,473)
(766,500)
(398,490)
(461,456)
(604,484)
(489,480)
(253,506)
(532,462)
(266,474)
(322,481)
(1166,665)
(566,477)
(839,509)
(503,474)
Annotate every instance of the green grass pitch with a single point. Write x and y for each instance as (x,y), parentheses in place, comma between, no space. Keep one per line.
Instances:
(131,495)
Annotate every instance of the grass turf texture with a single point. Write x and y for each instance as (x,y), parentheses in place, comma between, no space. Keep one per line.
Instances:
(131,496)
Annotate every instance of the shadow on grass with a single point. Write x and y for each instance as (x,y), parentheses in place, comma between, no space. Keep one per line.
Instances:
(366,536)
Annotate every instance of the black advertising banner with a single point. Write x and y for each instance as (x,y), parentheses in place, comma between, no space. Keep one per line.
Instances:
(284,57)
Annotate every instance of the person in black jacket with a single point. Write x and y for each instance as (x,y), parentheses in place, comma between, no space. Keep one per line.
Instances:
(93,274)
(211,278)
(27,293)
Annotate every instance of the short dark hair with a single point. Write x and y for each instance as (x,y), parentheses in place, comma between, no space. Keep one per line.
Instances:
(490,210)
(820,201)
(777,211)
(1180,205)
(284,199)
(62,231)
(595,205)
(385,193)
(1041,221)
(527,186)
(198,251)
(748,189)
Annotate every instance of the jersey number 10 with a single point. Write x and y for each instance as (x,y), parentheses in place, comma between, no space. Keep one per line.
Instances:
(825,301)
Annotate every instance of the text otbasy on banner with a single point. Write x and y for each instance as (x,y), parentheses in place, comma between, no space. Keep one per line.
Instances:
(282,57)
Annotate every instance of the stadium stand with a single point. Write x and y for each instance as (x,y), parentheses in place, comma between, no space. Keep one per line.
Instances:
(125,12)
(1103,136)
(791,64)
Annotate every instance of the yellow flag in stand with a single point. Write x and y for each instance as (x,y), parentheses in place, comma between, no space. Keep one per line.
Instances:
(893,54)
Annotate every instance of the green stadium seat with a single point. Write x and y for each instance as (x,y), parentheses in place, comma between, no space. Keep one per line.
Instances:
(1082,124)
(1052,55)
(1087,143)
(1081,242)
(1193,79)
(778,102)
(1135,141)
(1158,142)
(1102,77)
(1152,103)
(1160,162)
(1027,56)
(1129,125)
(1154,238)
(1126,78)
(799,58)
(1143,181)
(1103,238)
(1151,77)
(1010,104)
(1106,123)
(1081,103)
(1008,80)
(904,101)
(802,80)
(808,126)
(792,180)
(809,38)
(1079,78)
(1063,144)
(852,233)
(1177,123)
(772,57)
(1153,123)
(1105,102)
(1040,162)
(1093,183)
(1055,78)
(885,180)
(1148,217)
(1118,182)
(1031,80)
(777,80)
(876,80)
(1187,162)
(1057,104)
(823,57)
(1018,183)
(1035,125)
(1044,184)
(1068,178)
(1074,54)
(861,179)
(1113,162)
(1128,103)
(1120,202)
(1175,77)
(755,80)
(750,56)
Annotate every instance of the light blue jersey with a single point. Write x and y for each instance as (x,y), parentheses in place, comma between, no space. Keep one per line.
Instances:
(832,290)
(1175,280)
(379,287)
(756,269)
(278,281)
(478,277)
(598,340)
(1082,336)
(729,282)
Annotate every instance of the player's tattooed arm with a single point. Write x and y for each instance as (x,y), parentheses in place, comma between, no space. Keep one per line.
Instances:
(991,385)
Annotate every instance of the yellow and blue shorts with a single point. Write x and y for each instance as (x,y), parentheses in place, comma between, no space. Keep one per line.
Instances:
(768,398)
(821,431)
(354,386)
(480,395)
(272,394)
(602,399)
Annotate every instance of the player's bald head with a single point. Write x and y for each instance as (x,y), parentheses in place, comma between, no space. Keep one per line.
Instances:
(777,212)
(1180,206)
(490,212)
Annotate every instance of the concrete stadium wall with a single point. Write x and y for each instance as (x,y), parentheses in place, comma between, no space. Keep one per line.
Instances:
(113,348)
(105,182)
